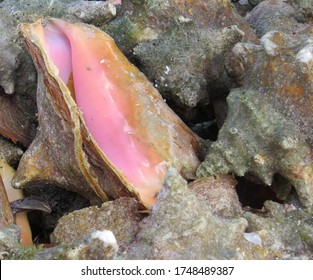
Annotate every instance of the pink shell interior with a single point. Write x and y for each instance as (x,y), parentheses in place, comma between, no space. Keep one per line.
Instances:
(104,108)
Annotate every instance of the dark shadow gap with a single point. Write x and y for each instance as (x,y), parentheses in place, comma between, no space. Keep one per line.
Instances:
(254,194)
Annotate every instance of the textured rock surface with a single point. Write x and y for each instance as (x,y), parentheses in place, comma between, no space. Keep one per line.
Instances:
(286,231)
(9,242)
(182,226)
(99,245)
(243,6)
(220,193)
(280,15)
(120,216)
(180,45)
(268,129)
(9,152)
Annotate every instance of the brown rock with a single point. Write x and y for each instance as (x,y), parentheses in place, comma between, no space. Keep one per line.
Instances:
(220,193)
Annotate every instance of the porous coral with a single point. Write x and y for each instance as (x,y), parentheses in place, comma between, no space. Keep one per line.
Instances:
(268,129)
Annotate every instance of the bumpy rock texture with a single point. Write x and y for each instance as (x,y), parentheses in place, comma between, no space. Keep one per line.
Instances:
(9,152)
(286,232)
(181,45)
(99,245)
(268,129)
(182,226)
(120,216)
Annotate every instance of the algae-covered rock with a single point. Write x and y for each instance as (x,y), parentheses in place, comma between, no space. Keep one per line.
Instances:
(244,6)
(268,129)
(182,226)
(287,232)
(9,152)
(181,45)
(99,245)
(220,193)
(11,248)
(9,241)
(119,216)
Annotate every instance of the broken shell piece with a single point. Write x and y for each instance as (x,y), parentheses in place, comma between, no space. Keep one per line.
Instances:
(6,215)
(21,219)
(103,127)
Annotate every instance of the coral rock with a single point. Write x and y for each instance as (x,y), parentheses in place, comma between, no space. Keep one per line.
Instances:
(99,245)
(181,45)
(285,231)
(182,226)
(119,216)
(9,152)
(268,129)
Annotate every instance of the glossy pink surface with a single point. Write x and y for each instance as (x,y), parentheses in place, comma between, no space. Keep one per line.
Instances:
(104,109)
(59,50)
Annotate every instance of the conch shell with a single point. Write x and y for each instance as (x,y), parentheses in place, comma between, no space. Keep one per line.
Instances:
(103,128)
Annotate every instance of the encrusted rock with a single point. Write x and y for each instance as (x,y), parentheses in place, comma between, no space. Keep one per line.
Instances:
(182,226)
(9,241)
(287,232)
(120,216)
(244,6)
(9,152)
(99,245)
(268,129)
(181,45)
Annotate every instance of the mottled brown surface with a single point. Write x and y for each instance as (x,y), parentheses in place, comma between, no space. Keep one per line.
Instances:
(15,123)
(120,216)
(220,193)
(6,216)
